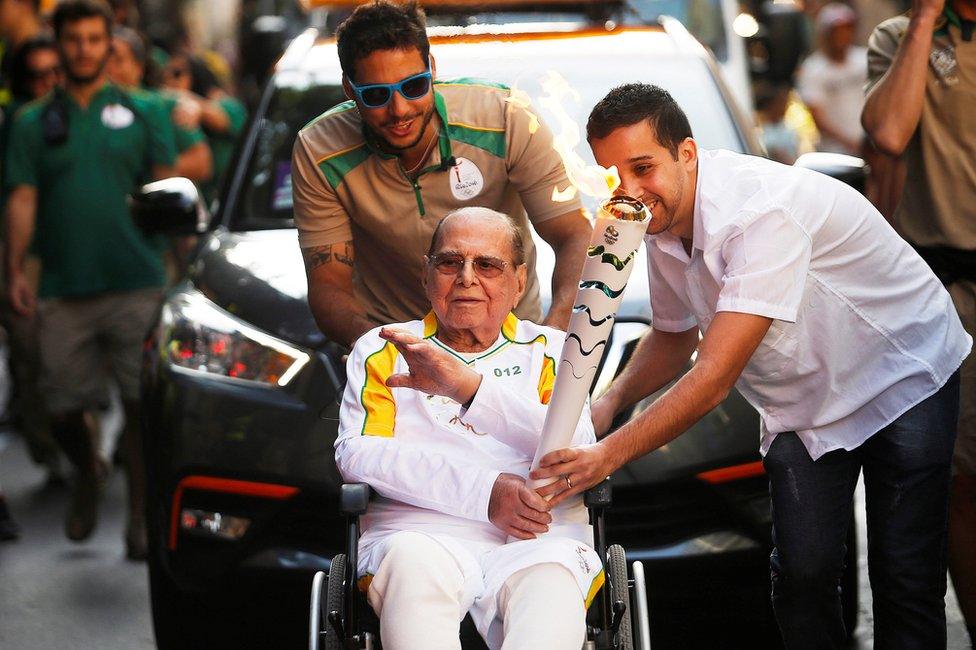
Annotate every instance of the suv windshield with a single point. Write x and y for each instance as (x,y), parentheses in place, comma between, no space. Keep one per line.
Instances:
(266,194)
(703,18)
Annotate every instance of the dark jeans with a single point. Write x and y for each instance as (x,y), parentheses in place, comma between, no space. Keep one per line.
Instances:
(906,479)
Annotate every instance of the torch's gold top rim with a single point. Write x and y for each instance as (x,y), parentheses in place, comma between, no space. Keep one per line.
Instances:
(625,208)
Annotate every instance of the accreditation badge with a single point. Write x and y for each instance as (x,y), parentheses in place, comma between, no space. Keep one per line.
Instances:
(466,179)
(943,62)
(117,116)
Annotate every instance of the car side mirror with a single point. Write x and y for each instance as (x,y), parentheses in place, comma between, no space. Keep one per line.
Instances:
(265,41)
(171,207)
(847,169)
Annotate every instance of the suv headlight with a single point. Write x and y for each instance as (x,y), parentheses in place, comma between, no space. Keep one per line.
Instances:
(197,335)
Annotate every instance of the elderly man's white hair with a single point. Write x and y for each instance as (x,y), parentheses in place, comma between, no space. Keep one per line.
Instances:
(479,212)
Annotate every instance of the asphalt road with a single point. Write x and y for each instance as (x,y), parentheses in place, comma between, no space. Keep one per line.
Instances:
(58,594)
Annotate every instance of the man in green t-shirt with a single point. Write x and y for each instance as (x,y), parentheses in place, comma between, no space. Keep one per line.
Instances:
(73,158)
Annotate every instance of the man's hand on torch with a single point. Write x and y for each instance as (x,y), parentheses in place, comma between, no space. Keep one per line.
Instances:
(577,469)
(517,510)
(432,370)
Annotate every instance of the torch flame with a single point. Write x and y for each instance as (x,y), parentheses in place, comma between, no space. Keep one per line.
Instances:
(520,98)
(592,180)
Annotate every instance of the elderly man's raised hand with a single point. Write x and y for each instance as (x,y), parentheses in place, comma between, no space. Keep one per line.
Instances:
(517,510)
(433,370)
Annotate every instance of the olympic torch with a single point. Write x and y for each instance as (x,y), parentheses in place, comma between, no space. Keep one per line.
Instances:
(618,230)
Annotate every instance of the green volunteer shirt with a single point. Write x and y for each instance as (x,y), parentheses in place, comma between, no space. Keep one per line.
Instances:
(222,144)
(87,242)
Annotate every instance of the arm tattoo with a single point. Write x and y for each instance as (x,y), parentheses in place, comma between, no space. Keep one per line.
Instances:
(317,256)
(345,257)
(320,255)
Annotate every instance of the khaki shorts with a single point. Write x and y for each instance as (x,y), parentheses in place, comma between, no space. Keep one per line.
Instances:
(85,340)
(963,295)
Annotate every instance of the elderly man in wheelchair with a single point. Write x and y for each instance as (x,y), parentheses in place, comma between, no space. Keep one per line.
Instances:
(441,417)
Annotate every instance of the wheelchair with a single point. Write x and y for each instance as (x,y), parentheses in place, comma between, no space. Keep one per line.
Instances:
(341,619)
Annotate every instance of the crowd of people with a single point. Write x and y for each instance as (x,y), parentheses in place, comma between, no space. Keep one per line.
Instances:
(91,110)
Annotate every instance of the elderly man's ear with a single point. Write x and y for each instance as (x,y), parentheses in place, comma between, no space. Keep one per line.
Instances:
(521,274)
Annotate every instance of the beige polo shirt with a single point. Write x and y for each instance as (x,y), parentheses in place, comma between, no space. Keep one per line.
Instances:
(938,207)
(490,153)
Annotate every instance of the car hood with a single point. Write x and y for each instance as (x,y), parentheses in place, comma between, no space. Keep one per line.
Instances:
(259,277)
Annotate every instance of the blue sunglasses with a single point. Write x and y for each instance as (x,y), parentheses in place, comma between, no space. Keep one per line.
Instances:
(379,95)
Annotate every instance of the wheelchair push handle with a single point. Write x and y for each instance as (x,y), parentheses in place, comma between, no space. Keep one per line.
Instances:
(354,498)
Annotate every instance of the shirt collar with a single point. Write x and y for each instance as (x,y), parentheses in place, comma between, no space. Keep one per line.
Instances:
(950,17)
(671,244)
(101,96)
(698,233)
(508,326)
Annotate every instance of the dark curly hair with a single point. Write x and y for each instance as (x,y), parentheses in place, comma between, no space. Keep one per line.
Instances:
(20,76)
(632,103)
(381,25)
(71,11)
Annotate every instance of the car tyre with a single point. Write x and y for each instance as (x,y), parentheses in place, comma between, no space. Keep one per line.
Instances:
(333,602)
(172,612)
(620,590)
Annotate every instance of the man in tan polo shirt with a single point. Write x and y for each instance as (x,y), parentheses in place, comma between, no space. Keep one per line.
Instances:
(372,178)
(920,103)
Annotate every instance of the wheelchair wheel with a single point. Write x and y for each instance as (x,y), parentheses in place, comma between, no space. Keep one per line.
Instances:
(620,591)
(333,602)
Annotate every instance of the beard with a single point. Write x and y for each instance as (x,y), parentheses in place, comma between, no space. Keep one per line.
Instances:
(386,144)
(84,78)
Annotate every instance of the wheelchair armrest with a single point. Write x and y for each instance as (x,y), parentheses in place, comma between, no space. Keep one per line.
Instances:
(600,495)
(353,498)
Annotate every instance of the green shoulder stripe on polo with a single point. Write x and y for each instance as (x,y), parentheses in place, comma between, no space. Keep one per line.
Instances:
(338,108)
(336,166)
(491,140)
(472,81)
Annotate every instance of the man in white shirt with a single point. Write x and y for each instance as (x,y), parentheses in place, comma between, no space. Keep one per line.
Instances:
(831,81)
(442,417)
(831,326)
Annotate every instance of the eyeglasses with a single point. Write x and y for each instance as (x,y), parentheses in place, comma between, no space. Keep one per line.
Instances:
(379,95)
(44,73)
(483,266)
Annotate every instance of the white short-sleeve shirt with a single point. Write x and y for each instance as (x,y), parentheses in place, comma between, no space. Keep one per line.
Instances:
(862,329)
